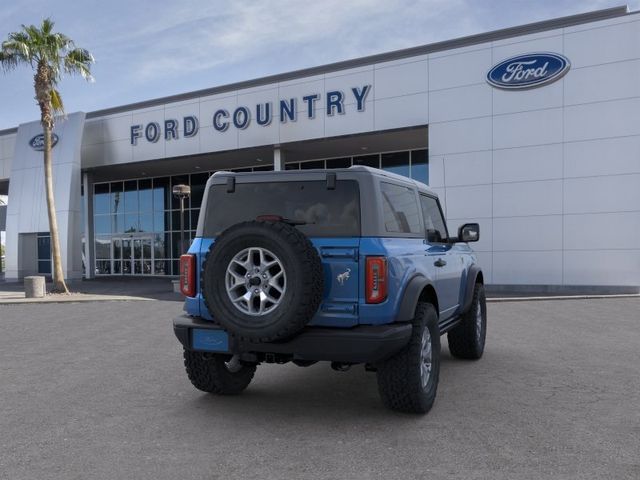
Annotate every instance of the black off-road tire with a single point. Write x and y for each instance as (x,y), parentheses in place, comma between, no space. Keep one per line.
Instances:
(304,281)
(468,338)
(209,372)
(399,377)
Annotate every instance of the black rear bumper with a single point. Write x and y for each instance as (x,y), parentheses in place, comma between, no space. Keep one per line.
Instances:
(361,344)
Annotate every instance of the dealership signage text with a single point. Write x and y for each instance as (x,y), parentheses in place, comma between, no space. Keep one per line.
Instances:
(287,110)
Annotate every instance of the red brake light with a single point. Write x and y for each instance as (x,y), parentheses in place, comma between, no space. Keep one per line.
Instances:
(188,275)
(376,279)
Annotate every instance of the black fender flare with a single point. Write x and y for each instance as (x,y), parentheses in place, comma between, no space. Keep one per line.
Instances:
(410,298)
(472,277)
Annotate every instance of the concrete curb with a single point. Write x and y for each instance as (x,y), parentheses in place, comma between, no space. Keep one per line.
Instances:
(73,298)
(560,297)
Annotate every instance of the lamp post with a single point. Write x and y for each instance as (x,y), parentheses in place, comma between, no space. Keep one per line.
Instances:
(181,192)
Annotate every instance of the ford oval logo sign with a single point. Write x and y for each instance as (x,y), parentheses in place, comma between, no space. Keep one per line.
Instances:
(37,142)
(528,71)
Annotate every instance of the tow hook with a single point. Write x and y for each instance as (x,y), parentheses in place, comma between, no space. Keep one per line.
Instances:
(340,367)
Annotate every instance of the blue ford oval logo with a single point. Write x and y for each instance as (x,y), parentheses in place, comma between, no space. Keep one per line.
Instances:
(528,71)
(37,142)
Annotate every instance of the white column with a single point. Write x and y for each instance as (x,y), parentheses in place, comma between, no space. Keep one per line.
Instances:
(278,158)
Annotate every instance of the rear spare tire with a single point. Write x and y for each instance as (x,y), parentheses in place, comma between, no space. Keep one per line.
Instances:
(262,281)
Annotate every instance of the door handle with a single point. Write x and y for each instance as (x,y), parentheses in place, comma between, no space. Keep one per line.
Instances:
(440,263)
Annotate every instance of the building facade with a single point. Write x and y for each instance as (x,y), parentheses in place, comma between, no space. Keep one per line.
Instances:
(532,131)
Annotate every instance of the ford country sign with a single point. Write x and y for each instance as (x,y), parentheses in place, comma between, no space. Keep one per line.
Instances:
(528,71)
(37,142)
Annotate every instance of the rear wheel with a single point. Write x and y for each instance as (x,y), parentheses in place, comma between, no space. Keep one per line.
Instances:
(215,373)
(408,381)
(468,338)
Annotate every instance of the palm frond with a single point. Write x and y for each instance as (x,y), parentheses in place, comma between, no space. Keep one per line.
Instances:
(18,46)
(56,101)
(79,61)
(9,61)
(47,26)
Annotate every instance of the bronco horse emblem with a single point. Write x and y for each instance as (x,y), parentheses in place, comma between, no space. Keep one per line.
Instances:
(343,277)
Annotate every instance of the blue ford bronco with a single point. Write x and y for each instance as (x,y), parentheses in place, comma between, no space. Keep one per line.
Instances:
(350,266)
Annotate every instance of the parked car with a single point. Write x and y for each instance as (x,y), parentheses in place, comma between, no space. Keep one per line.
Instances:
(351,266)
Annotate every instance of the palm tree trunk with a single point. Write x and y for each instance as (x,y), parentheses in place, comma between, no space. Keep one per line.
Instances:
(59,285)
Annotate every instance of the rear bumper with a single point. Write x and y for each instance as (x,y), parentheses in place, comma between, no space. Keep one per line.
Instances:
(361,344)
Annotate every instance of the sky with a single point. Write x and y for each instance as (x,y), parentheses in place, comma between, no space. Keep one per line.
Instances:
(150,49)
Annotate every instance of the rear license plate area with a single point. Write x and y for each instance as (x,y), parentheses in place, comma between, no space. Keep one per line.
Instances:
(209,340)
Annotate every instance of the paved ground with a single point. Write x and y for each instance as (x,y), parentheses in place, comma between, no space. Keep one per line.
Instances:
(97,390)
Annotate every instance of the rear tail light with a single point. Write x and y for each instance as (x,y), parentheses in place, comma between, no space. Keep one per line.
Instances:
(376,279)
(188,275)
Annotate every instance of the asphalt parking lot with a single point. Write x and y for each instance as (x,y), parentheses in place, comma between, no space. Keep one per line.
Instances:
(97,390)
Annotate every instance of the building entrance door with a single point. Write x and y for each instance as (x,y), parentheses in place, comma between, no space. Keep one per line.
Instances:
(132,255)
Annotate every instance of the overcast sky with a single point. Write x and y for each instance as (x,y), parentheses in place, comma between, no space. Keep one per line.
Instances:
(148,49)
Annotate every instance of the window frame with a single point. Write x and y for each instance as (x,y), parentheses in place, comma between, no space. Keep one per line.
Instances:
(444,219)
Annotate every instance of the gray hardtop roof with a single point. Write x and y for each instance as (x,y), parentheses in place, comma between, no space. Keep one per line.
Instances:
(318,174)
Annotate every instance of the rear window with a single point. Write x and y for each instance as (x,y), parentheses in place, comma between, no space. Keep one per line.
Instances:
(327,213)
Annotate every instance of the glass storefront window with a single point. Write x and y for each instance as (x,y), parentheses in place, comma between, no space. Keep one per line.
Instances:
(101,198)
(131,223)
(161,193)
(131,196)
(194,218)
(312,165)
(145,195)
(117,223)
(368,160)
(397,162)
(102,224)
(339,162)
(44,252)
(159,246)
(162,267)
(420,165)
(146,222)
(160,221)
(175,220)
(103,247)
(117,197)
(198,182)
(103,267)
(145,209)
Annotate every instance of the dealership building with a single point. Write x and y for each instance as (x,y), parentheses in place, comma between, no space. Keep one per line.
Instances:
(532,131)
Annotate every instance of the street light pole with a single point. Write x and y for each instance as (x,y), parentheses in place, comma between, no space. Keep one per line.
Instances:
(181,192)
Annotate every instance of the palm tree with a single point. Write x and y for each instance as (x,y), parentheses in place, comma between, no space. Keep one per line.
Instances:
(50,55)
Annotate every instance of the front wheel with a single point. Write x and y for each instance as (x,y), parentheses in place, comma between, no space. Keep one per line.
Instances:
(468,338)
(216,373)
(408,381)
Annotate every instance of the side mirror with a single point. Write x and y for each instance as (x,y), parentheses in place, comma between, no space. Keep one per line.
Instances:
(469,232)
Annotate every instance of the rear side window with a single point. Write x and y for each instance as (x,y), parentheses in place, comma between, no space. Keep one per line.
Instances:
(400,209)
(327,213)
(436,230)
